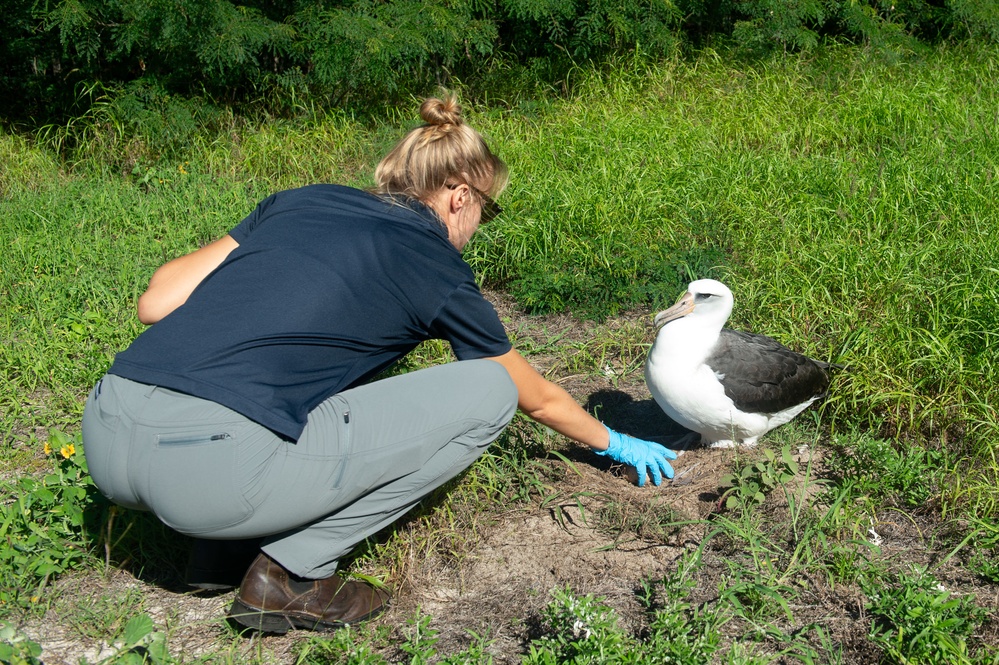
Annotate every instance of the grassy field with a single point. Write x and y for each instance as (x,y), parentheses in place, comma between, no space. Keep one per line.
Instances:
(847,199)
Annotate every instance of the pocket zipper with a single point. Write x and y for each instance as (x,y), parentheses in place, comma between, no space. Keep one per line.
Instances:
(191,440)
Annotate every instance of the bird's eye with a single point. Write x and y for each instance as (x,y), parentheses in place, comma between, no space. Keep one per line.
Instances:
(701,297)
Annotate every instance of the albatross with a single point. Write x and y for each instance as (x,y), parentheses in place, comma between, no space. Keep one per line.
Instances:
(730,387)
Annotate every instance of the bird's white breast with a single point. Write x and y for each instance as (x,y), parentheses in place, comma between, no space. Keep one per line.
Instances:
(689,391)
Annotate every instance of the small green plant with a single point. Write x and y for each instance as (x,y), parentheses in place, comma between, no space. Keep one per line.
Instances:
(102,617)
(917,620)
(749,486)
(477,652)
(140,644)
(754,597)
(679,630)
(353,646)
(984,560)
(43,523)
(649,520)
(827,653)
(421,640)
(348,646)
(16,649)
(579,630)
(846,561)
(985,563)
(906,476)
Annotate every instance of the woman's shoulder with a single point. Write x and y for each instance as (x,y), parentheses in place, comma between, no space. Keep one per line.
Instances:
(326,190)
(320,197)
(393,217)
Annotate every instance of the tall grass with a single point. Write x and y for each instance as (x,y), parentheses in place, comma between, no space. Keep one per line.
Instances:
(853,200)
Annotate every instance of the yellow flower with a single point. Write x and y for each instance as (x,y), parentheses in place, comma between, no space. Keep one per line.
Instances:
(47,449)
(68,450)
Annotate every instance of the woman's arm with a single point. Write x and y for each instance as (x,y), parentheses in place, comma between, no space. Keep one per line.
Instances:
(549,404)
(174,281)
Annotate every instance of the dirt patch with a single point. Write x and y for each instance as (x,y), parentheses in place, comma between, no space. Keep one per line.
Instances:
(570,542)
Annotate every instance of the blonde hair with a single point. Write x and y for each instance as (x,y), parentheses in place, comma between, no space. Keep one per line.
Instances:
(441,151)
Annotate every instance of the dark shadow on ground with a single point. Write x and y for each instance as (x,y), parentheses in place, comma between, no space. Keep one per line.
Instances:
(639,418)
(138,543)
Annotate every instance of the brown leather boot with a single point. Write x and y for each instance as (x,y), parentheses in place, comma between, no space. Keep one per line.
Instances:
(272,600)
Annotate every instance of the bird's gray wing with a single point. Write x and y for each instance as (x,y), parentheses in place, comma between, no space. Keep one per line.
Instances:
(763,376)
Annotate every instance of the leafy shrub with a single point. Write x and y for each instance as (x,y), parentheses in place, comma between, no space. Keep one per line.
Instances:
(585,29)
(975,18)
(356,52)
(376,48)
(335,52)
(135,122)
(765,25)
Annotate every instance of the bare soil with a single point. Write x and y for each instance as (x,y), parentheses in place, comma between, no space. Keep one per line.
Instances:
(498,587)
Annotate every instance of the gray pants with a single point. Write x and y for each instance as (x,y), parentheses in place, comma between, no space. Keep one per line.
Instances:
(367,455)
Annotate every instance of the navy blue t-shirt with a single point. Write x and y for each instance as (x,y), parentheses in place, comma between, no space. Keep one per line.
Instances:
(329,286)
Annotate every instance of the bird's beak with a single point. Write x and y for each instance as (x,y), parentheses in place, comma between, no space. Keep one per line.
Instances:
(683,307)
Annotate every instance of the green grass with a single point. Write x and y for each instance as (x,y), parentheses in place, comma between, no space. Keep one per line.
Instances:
(853,202)
(848,201)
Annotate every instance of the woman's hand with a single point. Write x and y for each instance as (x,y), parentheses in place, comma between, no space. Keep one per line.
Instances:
(640,454)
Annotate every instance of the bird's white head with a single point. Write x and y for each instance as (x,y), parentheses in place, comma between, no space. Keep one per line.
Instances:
(708,300)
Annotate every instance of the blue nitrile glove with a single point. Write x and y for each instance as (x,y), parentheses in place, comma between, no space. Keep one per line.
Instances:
(639,454)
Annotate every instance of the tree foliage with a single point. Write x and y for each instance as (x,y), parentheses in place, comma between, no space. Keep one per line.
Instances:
(357,52)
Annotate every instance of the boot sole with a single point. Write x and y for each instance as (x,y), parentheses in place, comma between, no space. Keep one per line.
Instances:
(280,623)
(211,586)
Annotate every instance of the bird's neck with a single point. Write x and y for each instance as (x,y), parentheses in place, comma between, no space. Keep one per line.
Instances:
(685,342)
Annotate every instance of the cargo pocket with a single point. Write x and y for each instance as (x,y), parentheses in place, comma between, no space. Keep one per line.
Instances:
(193,481)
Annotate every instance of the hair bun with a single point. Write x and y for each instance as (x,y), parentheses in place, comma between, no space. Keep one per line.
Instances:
(440,112)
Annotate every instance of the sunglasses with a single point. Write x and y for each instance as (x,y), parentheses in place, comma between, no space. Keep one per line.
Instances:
(490,209)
